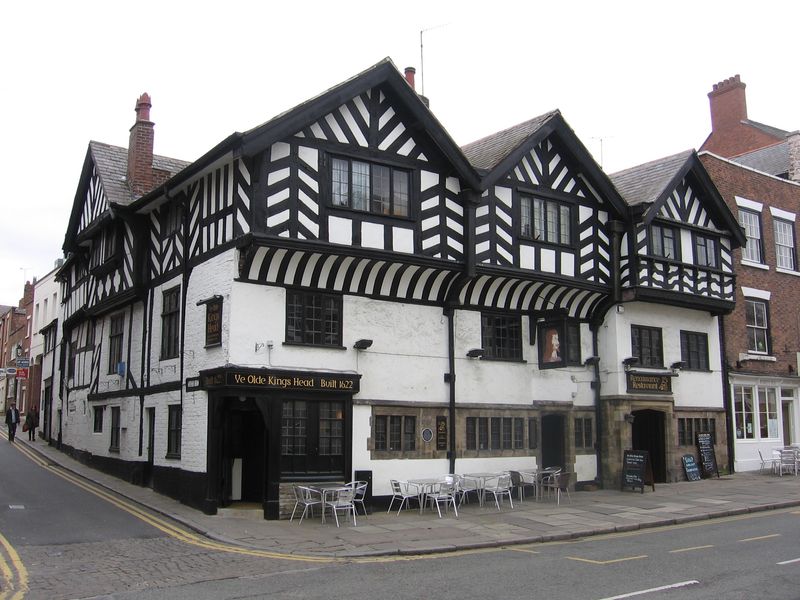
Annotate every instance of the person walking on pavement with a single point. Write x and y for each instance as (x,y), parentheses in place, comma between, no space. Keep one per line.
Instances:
(31,423)
(12,420)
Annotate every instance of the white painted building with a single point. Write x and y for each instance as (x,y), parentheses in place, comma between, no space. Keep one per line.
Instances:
(343,293)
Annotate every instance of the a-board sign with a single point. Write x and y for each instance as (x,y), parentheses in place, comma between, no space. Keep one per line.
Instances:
(690,467)
(708,460)
(637,471)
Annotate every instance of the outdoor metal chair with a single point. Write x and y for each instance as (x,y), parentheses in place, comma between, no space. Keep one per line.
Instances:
(360,488)
(444,493)
(772,463)
(558,484)
(520,481)
(788,461)
(306,497)
(402,490)
(500,488)
(467,486)
(340,499)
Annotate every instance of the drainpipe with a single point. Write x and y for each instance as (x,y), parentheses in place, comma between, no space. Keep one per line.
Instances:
(726,393)
(449,312)
(617,229)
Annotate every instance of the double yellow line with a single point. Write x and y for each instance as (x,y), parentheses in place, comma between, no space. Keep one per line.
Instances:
(169,528)
(15,575)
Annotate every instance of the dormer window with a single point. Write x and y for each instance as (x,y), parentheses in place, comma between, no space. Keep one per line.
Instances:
(664,242)
(370,187)
(546,220)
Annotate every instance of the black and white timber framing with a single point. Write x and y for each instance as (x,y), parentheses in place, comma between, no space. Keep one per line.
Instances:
(254,217)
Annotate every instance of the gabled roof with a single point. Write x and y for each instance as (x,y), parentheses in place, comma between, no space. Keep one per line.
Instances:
(772,159)
(499,153)
(112,168)
(648,182)
(111,163)
(290,122)
(650,185)
(486,153)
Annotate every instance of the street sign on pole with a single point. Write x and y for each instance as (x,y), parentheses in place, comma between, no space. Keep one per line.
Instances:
(23,363)
(11,370)
(22,373)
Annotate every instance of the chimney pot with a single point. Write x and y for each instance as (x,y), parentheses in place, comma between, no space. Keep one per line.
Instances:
(410,72)
(140,149)
(143,106)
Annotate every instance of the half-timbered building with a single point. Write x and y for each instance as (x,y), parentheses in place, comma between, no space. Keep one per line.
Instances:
(661,344)
(344,293)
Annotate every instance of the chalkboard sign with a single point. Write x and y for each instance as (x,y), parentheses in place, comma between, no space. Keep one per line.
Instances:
(690,467)
(708,460)
(637,471)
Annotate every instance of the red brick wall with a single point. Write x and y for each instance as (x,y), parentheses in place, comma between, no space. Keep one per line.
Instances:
(784,304)
(737,140)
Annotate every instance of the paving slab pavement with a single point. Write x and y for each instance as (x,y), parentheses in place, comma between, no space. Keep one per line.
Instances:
(530,521)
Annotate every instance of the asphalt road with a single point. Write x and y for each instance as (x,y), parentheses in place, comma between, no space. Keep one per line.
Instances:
(76,541)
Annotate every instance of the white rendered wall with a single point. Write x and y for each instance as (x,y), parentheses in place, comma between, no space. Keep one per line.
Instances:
(690,388)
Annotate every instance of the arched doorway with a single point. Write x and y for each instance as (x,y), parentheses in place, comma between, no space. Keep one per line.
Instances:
(648,434)
(553,440)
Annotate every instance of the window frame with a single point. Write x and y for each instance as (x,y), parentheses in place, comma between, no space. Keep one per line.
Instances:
(501,347)
(116,416)
(748,251)
(373,205)
(637,346)
(400,433)
(584,433)
(116,338)
(536,208)
(694,359)
(98,418)
(328,302)
(170,323)
(704,256)
(174,430)
(755,328)
(657,233)
(790,251)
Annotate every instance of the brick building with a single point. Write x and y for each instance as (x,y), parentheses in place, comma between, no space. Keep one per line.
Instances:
(753,165)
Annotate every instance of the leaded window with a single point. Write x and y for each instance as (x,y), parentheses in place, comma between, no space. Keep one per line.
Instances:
(546,220)
(646,345)
(705,251)
(313,318)
(501,336)
(370,187)
(170,321)
(694,350)
(664,242)
(115,337)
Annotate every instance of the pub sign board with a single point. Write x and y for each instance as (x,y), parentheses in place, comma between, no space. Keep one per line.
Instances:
(214,322)
(267,379)
(647,383)
(708,458)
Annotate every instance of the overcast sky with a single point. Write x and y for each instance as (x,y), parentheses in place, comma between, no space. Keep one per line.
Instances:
(632,75)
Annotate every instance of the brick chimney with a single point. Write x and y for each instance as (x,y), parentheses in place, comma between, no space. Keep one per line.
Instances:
(140,149)
(410,73)
(728,104)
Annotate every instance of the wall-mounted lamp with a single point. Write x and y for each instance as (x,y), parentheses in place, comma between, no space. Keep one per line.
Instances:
(677,365)
(592,360)
(629,418)
(630,361)
(475,353)
(362,344)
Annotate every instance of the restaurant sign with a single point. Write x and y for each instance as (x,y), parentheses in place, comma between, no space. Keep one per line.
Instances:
(648,383)
(264,379)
